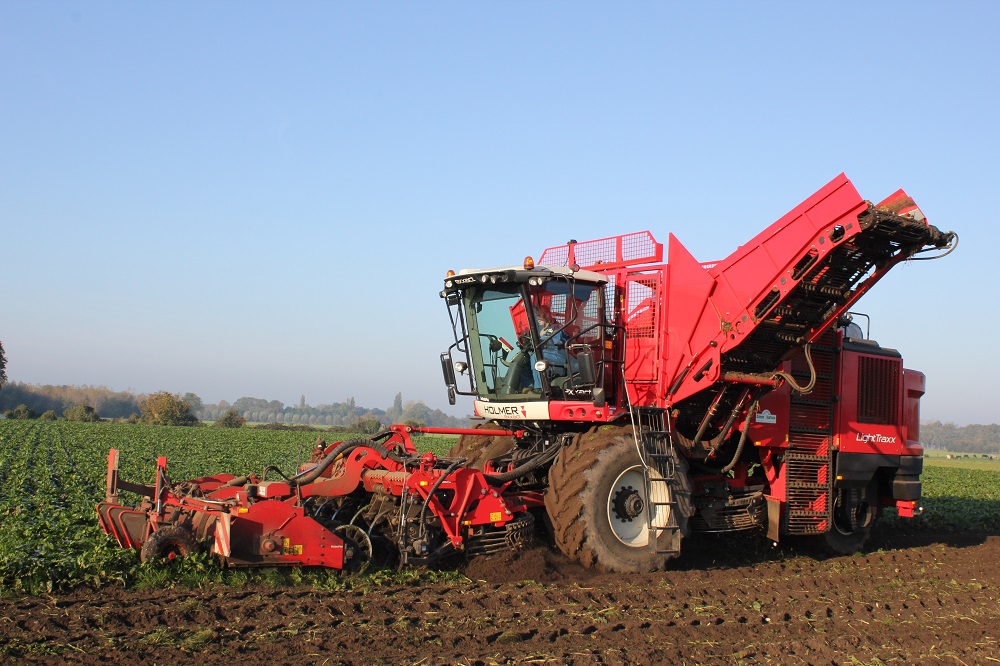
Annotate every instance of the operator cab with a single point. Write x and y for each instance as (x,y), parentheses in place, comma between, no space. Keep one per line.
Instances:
(526,334)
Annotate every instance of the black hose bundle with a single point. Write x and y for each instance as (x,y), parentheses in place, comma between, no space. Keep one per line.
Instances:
(303,478)
(525,469)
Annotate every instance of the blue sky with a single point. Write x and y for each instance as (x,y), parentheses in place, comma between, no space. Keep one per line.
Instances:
(251,198)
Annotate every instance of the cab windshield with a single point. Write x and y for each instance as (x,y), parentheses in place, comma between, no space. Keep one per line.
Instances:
(513,328)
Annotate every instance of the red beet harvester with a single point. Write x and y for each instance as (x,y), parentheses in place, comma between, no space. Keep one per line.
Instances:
(628,404)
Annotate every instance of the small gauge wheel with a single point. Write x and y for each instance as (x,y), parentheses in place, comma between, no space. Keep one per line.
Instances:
(357,546)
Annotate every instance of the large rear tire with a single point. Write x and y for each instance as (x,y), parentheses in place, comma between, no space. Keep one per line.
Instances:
(477,449)
(597,504)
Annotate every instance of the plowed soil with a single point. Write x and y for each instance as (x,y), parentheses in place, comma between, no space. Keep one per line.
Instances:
(910,598)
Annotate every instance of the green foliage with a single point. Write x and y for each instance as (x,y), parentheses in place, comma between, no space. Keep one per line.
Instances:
(22,413)
(82,413)
(960,499)
(230,419)
(367,426)
(49,415)
(121,404)
(41,398)
(164,408)
(53,473)
(3,366)
(285,426)
(194,402)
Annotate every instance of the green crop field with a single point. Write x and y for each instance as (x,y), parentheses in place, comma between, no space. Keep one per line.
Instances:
(53,473)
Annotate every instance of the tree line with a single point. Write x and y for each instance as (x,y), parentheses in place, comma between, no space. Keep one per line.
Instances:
(973,438)
(109,404)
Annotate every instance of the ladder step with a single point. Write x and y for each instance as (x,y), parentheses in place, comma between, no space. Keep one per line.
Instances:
(805,485)
(802,513)
(800,456)
(803,430)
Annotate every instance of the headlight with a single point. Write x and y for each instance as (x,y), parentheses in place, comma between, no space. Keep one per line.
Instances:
(541,366)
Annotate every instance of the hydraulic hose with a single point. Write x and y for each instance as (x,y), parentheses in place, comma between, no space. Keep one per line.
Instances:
(236,481)
(385,451)
(308,477)
(315,472)
(743,440)
(807,389)
(451,468)
(525,469)
(949,247)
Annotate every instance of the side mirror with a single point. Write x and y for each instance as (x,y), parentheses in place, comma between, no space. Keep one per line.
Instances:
(451,395)
(588,370)
(449,373)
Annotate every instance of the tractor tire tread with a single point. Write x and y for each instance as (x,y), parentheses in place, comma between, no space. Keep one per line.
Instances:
(575,512)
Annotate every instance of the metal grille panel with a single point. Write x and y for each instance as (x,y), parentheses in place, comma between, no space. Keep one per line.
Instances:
(642,299)
(635,248)
(878,390)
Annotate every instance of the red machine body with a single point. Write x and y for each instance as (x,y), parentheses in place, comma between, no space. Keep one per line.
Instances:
(630,403)
(252,521)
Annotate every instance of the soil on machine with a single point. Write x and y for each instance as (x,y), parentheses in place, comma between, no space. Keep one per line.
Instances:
(911,597)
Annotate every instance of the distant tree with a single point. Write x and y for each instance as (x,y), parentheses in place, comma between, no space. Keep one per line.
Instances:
(165,408)
(366,425)
(83,413)
(395,413)
(302,401)
(22,412)
(194,402)
(230,419)
(49,415)
(3,366)
(42,398)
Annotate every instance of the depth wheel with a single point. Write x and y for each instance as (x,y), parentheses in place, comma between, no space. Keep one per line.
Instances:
(168,543)
(598,506)
(357,547)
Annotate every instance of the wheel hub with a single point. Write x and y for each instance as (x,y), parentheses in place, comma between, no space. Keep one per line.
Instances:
(627,506)
(628,503)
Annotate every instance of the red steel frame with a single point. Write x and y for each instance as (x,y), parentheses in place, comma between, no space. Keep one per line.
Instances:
(273,528)
(700,311)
